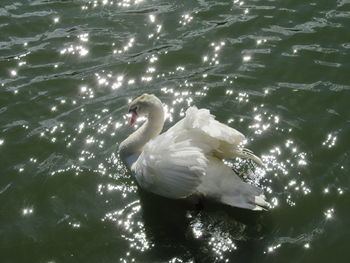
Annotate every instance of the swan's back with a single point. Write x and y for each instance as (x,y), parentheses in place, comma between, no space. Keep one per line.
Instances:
(186,160)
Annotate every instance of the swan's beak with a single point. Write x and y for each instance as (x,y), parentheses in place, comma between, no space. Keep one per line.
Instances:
(133,116)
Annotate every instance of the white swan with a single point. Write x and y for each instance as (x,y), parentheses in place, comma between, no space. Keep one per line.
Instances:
(187,159)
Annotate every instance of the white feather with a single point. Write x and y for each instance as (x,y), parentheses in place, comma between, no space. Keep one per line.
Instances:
(169,168)
(187,160)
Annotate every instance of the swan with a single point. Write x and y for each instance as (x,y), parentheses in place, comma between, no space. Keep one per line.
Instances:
(187,159)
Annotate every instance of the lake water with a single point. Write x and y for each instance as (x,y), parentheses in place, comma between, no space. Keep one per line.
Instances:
(278,71)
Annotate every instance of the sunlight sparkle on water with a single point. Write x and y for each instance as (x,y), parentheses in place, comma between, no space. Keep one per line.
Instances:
(151,69)
(131,81)
(330,141)
(83,89)
(126,220)
(247,58)
(281,159)
(126,47)
(329,214)
(84,37)
(185,19)
(272,249)
(220,243)
(340,191)
(153,58)
(27,211)
(244,97)
(213,59)
(152,18)
(78,49)
(274,202)
(90,140)
(74,225)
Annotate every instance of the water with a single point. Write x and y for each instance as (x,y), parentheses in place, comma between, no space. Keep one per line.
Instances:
(276,70)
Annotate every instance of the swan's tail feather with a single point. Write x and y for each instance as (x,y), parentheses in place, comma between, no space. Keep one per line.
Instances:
(246,153)
(222,184)
(252,199)
(261,203)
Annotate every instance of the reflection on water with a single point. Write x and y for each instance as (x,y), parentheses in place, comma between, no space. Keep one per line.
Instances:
(27,211)
(68,71)
(131,229)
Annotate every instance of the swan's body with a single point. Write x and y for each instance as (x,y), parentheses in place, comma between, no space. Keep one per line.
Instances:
(186,160)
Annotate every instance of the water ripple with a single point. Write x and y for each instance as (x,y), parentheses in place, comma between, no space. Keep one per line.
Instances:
(277,72)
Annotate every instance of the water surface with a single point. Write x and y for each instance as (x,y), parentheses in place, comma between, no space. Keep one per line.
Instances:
(278,71)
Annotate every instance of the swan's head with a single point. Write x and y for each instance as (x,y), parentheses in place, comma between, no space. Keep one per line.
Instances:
(145,105)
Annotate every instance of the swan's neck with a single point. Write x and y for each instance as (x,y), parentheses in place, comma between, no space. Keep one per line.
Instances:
(149,130)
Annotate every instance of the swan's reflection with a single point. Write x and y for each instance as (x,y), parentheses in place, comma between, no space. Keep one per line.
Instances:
(209,230)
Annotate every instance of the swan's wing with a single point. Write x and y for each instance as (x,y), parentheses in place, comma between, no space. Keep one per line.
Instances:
(229,189)
(212,136)
(202,120)
(169,167)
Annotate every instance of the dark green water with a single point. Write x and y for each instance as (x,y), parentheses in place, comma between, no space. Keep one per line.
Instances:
(279,71)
